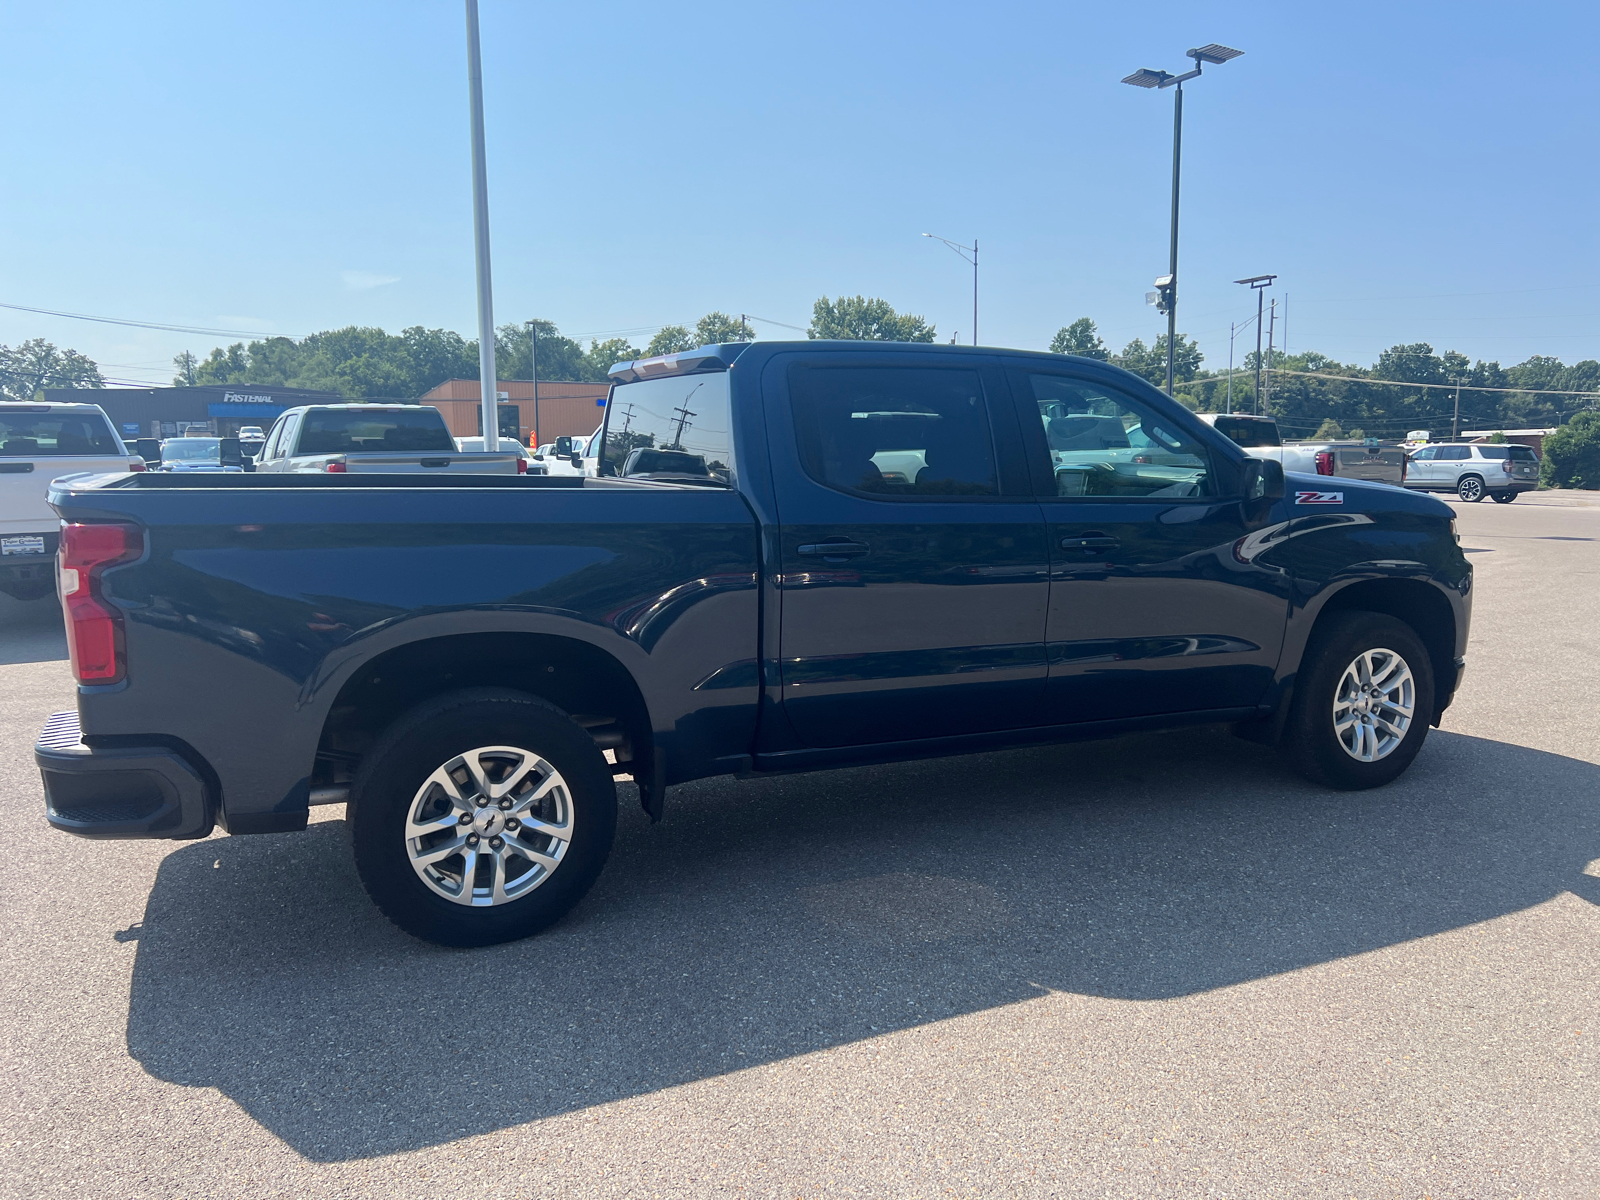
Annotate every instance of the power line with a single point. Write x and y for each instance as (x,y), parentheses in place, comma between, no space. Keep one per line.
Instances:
(195,329)
(1449,387)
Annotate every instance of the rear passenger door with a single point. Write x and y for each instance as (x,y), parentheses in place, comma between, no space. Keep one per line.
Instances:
(914,573)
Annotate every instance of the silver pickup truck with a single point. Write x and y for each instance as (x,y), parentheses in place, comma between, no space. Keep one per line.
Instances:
(386,439)
(1351,459)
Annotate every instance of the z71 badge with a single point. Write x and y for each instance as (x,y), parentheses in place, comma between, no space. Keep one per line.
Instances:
(1319,497)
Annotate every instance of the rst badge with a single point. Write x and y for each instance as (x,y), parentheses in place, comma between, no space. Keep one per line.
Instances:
(1319,497)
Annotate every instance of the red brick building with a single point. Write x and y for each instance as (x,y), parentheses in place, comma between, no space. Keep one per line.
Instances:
(563,408)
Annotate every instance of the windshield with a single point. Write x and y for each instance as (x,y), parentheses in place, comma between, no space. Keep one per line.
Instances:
(39,434)
(192,450)
(684,420)
(404,430)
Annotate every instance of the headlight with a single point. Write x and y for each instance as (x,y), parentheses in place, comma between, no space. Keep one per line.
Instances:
(1454,532)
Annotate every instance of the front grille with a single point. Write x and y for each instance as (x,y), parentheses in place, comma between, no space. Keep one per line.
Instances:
(110,814)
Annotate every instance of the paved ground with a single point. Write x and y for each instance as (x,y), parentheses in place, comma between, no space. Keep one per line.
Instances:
(1155,966)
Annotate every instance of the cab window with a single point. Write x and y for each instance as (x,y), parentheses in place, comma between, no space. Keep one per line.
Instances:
(1102,443)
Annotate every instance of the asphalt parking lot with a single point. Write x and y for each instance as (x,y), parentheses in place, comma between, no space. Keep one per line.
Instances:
(1161,965)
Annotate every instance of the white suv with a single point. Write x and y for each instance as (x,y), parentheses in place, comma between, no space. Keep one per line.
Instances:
(1473,470)
(38,443)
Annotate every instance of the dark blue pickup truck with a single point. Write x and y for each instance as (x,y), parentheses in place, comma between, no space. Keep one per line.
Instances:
(796,556)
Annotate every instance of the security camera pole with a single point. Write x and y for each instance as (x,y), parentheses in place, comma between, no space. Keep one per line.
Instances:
(1167,286)
(480,231)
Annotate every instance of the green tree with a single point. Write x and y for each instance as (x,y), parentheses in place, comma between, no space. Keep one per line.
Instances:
(1081,338)
(1329,431)
(670,339)
(857,319)
(602,356)
(559,357)
(37,364)
(1151,362)
(718,328)
(186,364)
(1572,454)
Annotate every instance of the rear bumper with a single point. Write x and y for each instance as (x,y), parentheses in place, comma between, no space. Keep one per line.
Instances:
(31,568)
(1516,485)
(119,791)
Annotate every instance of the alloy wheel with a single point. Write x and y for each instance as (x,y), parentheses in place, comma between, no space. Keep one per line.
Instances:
(1373,705)
(489,826)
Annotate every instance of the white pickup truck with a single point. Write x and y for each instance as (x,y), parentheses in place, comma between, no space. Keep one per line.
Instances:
(388,439)
(1350,459)
(38,443)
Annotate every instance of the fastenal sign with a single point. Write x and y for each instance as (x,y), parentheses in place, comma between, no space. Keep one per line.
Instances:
(244,404)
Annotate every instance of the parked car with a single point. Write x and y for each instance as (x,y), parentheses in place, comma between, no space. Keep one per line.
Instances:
(389,439)
(469,665)
(199,454)
(568,455)
(474,445)
(1348,458)
(39,442)
(1473,470)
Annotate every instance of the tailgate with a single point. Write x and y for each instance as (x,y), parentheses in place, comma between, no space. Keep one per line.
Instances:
(1383,465)
(445,462)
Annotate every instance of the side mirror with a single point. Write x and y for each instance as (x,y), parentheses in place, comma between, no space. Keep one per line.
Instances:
(1263,481)
(248,462)
(230,453)
(576,460)
(563,447)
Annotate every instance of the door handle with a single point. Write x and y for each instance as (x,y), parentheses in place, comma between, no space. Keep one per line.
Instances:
(834,551)
(1092,543)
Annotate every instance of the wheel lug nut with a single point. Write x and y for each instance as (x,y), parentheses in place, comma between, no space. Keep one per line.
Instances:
(513,824)
(505,804)
(495,843)
(472,839)
(466,818)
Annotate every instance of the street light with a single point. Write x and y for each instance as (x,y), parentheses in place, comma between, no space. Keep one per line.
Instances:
(490,397)
(963,251)
(1167,288)
(1258,285)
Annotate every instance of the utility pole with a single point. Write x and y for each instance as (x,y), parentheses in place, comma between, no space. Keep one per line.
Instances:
(487,379)
(533,367)
(677,437)
(962,251)
(1266,396)
(1257,284)
(1230,366)
(1455,421)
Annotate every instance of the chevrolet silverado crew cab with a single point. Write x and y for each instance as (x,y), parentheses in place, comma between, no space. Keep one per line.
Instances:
(385,439)
(821,553)
(39,442)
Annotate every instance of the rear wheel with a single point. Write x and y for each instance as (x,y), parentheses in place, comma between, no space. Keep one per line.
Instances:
(1362,701)
(482,816)
(1470,488)
(1504,497)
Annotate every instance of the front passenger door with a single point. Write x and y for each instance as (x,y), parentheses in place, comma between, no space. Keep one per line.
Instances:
(1154,607)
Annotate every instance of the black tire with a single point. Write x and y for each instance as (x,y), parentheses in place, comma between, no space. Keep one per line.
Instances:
(427,738)
(1470,488)
(1504,497)
(1311,739)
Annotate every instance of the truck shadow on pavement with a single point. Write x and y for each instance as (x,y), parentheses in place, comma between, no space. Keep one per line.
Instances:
(771,918)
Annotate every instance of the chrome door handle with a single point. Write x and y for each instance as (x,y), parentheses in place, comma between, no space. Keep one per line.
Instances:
(834,551)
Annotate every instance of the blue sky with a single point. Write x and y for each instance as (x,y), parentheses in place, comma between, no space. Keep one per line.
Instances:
(1411,172)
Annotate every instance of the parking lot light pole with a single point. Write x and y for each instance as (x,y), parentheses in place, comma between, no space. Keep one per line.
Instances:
(1257,284)
(480,231)
(964,251)
(1146,78)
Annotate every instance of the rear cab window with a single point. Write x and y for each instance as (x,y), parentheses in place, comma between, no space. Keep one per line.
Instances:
(676,429)
(1243,431)
(43,434)
(398,430)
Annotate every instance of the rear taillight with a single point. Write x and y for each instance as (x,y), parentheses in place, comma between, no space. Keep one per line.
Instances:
(336,466)
(522,465)
(1324,461)
(1509,468)
(1405,465)
(136,465)
(94,628)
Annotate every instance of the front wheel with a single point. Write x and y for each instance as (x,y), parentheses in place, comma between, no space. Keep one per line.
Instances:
(1362,702)
(1504,497)
(481,816)
(1470,489)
